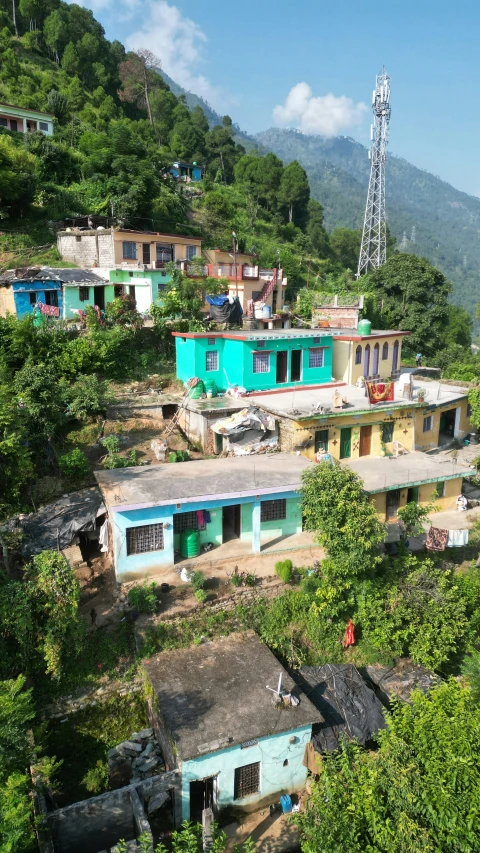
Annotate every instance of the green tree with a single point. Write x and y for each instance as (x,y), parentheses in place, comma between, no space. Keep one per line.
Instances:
(17,176)
(345,245)
(41,408)
(316,230)
(411,295)
(294,192)
(419,792)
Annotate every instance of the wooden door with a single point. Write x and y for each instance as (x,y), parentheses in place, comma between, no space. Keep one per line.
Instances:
(346,443)
(393,501)
(365,440)
(282,362)
(146,253)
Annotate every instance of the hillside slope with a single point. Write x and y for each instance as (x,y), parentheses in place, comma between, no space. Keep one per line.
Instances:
(447,221)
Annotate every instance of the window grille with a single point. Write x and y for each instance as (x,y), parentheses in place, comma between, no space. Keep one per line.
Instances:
(316,340)
(273,510)
(261,362)
(358,355)
(211,341)
(315,357)
(387,432)
(211,360)
(165,252)
(185,521)
(260,343)
(129,250)
(247,780)
(148,537)
(191,252)
(83,294)
(427,423)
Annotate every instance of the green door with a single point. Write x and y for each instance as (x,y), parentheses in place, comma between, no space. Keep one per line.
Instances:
(345,443)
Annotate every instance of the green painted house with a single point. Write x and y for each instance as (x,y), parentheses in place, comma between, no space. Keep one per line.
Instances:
(256,360)
(146,285)
(82,288)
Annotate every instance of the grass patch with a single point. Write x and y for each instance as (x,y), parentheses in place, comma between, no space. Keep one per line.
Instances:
(83,740)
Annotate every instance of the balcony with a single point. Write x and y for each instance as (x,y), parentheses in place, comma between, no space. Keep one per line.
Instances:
(238,272)
(194,270)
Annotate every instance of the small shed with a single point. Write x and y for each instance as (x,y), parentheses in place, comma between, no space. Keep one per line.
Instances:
(237,745)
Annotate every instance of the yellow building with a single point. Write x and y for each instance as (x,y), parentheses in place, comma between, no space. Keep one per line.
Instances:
(110,247)
(246,279)
(444,416)
(374,356)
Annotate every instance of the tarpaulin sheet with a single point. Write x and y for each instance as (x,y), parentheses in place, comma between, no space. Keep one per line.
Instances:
(230,312)
(348,706)
(249,418)
(57,524)
(216,300)
(399,680)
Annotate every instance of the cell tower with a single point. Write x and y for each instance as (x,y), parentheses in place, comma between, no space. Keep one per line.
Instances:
(373,251)
(404,242)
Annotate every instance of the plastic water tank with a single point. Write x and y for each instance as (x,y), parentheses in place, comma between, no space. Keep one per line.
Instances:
(189,543)
(211,385)
(364,327)
(258,312)
(266,312)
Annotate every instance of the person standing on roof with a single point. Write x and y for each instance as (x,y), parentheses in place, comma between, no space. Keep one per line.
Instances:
(418,359)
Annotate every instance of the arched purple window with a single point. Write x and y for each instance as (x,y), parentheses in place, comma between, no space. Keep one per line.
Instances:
(395,356)
(385,351)
(358,355)
(376,356)
(366,363)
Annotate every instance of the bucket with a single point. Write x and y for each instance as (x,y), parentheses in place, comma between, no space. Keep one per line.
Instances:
(258,312)
(266,312)
(211,387)
(473,438)
(189,543)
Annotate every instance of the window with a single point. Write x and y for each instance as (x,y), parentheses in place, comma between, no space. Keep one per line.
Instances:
(316,340)
(261,362)
(165,252)
(469,410)
(321,439)
(32,296)
(185,521)
(385,351)
(13,124)
(247,780)
(51,298)
(148,537)
(118,291)
(211,341)
(260,343)
(161,287)
(315,357)
(191,252)
(273,510)
(211,360)
(130,274)
(84,294)
(439,490)
(129,250)
(3,122)
(427,423)
(358,355)
(43,125)
(387,432)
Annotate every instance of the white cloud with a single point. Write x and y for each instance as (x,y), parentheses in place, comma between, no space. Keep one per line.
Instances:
(179,43)
(326,115)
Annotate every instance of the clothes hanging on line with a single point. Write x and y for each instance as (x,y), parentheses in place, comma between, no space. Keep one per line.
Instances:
(201,519)
(457,538)
(437,539)
(206,515)
(103,537)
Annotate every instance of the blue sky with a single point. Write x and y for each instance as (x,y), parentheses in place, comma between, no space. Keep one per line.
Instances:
(246,58)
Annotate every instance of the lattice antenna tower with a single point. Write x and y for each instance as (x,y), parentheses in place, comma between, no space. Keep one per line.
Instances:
(373,251)
(404,242)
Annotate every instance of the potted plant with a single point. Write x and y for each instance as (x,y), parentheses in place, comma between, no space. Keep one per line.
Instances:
(421,394)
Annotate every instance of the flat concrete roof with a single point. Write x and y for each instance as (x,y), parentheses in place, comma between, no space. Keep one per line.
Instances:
(380,474)
(272,334)
(301,402)
(214,696)
(206,479)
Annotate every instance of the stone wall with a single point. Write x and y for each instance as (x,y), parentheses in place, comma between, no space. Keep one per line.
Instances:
(87,249)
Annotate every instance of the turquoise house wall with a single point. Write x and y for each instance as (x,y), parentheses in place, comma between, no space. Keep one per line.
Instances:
(136,566)
(283,527)
(22,290)
(275,778)
(235,361)
(73,304)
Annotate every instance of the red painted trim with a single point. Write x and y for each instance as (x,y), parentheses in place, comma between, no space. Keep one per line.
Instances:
(157,234)
(371,337)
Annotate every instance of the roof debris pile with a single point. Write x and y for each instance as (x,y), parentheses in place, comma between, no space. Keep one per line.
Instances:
(250,430)
(401,680)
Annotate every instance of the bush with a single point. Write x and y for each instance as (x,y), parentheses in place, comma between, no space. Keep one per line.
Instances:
(96,780)
(284,570)
(198,580)
(87,397)
(113,458)
(250,579)
(200,595)
(74,465)
(236,580)
(143,597)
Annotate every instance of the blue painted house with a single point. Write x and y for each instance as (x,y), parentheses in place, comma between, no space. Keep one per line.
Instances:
(247,502)
(186,171)
(256,360)
(238,745)
(23,289)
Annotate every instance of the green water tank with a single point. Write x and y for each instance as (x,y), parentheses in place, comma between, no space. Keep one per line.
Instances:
(211,385)
(189,543)
(197,390)
(364,327)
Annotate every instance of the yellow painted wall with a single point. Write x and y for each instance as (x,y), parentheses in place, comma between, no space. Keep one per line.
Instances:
(341,360)
(403,431)
(426,495)
(427,440)
(344,352)
(7,302)
(179,242)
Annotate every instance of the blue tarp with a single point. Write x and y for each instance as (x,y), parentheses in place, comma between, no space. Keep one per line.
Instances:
(217,300)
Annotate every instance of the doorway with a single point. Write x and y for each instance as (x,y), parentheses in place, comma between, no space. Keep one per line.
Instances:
(100,297)
(232,523)
(393,502)
(132,293)
(413,495)
(365,440)
(345,443)
(296,365)
(447,424)
(201,797)
(282,363)
(146,253)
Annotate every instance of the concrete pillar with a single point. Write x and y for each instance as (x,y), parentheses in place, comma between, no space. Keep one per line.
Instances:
(256,527)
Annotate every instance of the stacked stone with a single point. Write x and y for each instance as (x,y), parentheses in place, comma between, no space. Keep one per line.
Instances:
(135,759)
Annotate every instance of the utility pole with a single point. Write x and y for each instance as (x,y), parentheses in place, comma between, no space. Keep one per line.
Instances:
(234,237)
(373,251)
